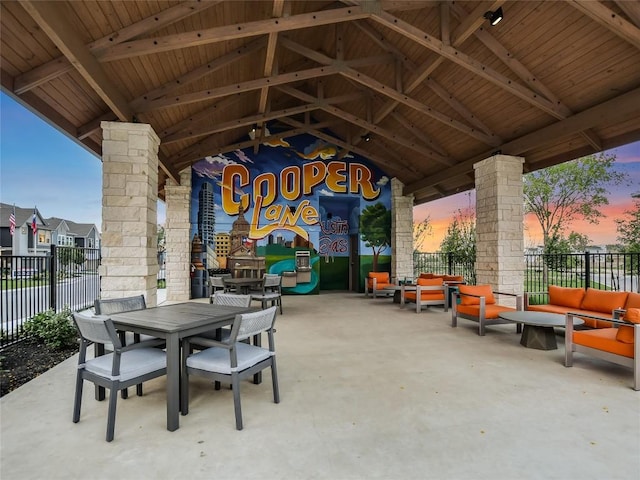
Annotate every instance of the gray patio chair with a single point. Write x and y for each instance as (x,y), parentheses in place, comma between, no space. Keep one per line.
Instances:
(271,291)
(233,360)
(108,306)
(229,300)
(217,284)
(125,366)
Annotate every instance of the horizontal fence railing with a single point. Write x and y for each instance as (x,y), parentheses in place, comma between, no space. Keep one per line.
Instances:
(603,271)
(66,277)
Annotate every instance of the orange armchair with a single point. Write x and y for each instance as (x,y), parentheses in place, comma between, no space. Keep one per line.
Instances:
(478,303)
(426,291)
(378,281)
(620,343)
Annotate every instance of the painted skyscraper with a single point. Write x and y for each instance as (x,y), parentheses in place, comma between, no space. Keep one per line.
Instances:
(206,216)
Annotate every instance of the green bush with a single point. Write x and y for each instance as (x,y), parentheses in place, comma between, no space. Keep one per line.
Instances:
(56,330)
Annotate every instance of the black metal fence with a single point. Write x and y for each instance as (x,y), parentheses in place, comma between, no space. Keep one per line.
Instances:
(67,276)
(444,264)
(604,271)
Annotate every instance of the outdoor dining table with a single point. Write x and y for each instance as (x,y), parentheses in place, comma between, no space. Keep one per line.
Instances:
(172,323)
(244,284)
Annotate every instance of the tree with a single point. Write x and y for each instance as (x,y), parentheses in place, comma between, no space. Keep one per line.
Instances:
(460,239)
(629,228)
(421,230)
(69,255)
(578,242)
(375,229)
(577,189)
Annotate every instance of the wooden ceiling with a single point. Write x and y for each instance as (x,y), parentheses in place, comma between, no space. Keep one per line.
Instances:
(432,84)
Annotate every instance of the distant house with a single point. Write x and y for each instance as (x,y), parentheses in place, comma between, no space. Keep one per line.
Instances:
(66,233)
(50,231)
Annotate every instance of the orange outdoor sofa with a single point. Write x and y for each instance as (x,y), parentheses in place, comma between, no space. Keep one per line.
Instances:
(618,343)
(590,302)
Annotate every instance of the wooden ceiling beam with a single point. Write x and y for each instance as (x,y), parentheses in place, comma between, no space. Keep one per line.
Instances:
(210,128)
(381,161)
(203,115)
(404,99)
(465,61)
(209,147)
(208,68)
(609,19)
(461,34)
(53,19)
(369,127)
(524,74)
(136,48)
(213,93)
(61,65)
(383,43)
(619,109)
(631,9)
(419,135)
(392,93)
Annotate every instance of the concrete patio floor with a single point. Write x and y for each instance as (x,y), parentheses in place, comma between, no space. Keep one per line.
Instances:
(368,390)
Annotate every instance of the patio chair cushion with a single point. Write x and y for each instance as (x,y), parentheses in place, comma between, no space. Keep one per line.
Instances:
(490,311)
(426,294)
(603,339)
(625,333)
(633,301)
(426,275)
(603,300)
(133,363)
(453,278)
(481,290)
(565,296)
(217,359)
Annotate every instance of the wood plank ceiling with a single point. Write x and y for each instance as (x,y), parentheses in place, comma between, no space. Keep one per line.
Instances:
(424,89)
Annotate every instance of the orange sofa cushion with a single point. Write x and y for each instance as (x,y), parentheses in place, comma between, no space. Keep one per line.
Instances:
(633,301)
(565,296)
(427,294)
(603,301)
(453,278)
(382,280)
(603,339)
(625,333)
(482,290)
(490,311)
(426,275)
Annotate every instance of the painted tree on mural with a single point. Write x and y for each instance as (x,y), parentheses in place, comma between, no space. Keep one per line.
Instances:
(375,229)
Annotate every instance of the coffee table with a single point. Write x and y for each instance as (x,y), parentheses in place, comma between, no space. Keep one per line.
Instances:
(538,329)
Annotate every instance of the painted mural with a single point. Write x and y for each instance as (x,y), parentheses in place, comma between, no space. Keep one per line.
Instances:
(301,208)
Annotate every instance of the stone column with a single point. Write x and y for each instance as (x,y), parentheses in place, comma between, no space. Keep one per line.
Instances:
(401,232)
(129,211)
(499,223)
(178,246)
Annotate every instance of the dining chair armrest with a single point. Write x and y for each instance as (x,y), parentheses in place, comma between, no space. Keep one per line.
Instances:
(206,342)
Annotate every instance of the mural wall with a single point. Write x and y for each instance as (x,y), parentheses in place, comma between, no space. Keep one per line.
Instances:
(300,208)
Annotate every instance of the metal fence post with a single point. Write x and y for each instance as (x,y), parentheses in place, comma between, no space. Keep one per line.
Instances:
(52,279)
(587,270)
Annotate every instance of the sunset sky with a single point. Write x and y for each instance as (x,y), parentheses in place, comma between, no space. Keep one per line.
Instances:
(627,160)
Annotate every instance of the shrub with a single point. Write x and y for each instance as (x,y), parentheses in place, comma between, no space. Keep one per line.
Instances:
(56,330)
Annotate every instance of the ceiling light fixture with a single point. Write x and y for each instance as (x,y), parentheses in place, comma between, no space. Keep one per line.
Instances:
(494,17)
(366,137)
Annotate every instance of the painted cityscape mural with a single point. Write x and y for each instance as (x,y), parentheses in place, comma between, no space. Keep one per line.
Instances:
(301,208)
